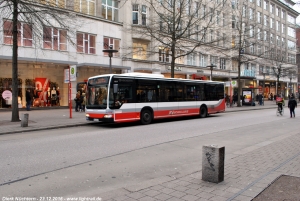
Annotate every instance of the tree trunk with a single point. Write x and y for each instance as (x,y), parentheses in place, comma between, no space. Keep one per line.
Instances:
(15,109)
(239,84)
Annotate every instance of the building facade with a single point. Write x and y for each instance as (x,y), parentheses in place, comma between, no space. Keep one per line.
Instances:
(97,25)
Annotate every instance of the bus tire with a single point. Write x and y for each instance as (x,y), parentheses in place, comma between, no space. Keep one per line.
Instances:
(203,112)
(146,117)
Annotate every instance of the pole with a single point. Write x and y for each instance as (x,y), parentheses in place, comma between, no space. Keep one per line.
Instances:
(110,54)
(211,69)
(70,93)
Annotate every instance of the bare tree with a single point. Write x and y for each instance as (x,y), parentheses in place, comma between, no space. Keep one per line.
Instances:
(38,14)
(180,27)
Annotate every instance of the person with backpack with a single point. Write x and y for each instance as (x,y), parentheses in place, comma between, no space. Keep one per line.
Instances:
(292,104)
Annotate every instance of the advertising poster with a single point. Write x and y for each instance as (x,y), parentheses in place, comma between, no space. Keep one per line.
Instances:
(247,95)
(42,85)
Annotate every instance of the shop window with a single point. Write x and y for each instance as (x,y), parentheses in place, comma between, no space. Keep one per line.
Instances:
(86,43)
(110,10)
(24,33)
(54,39)
(111,42)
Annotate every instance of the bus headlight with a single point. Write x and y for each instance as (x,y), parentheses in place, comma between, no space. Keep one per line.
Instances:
(87,115)
(108,116)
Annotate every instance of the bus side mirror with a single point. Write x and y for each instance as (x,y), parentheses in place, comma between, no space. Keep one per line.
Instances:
(115,88)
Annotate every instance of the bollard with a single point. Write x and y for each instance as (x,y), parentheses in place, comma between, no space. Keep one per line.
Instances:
(213,163)
(24,121)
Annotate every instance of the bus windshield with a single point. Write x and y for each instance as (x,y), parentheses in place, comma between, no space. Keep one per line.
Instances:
(97,92)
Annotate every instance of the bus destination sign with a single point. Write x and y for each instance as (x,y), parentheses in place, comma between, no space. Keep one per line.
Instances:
(99,80)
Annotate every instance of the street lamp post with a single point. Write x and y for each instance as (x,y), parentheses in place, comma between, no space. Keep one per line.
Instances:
(110,52)
(211,66)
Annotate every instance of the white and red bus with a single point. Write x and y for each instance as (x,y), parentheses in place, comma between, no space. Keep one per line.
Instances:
(145,97)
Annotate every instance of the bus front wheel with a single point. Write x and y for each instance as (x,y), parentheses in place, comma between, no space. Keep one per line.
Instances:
(146,117)
(203,112)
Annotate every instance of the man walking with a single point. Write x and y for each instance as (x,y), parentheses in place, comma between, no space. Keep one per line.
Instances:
(28,99)
(292,104)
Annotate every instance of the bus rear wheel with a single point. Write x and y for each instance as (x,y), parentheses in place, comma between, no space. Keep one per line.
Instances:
(203,112)
(146,117)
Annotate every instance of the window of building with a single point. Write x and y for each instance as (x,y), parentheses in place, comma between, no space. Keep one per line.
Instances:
(283,28)
(110,10)
(203,12)
(251,48)
(291,32)
(191,59)
(135,14)
(244,12)
(267,52)
(144,14)
(55,3)
(214,60)
(266,5)
(203,60)
(111,42)
(24,33)
(271,38)
(272,8)
(222,63)
(163,54)
(278,40)
(218,18)
(233,22)
(278,27)
(272,23)
(283,42)
(85,6)
(266,34)
(139,50)
(283,14)
(258,49)
(277,11)
(179,60)
(54,39)
(291,19)
(259,17)
(258,2)
(224,20)
(251,31)
(251,12)
(291,45)
(86,43)
(196,36)
(258,33)
(266,20)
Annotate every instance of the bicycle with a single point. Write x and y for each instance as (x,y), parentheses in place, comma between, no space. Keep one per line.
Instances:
(279,111)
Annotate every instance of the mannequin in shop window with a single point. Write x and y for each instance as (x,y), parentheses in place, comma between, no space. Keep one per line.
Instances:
(57,98)
(53,96)
(48,97)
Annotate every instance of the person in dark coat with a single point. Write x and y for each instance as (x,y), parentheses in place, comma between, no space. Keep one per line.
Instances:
(292,104)
(260,99)
(28,99)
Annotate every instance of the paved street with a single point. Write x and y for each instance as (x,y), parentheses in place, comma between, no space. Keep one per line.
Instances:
(49,118)
(257,152)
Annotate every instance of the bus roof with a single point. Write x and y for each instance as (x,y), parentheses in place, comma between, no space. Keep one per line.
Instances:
(151,76)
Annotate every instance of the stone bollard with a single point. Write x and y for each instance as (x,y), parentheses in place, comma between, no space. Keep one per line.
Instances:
(213,163)
(24,121)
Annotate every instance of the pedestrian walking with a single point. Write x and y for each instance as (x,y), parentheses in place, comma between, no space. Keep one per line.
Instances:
(260,99)
(292,104)
(78,102)
(28,99)
(83,102)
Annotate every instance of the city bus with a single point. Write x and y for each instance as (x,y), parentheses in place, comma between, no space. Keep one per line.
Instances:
(145,97)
